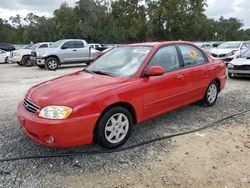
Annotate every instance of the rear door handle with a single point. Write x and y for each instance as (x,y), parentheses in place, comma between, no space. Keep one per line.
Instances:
(180,77)
(74,50)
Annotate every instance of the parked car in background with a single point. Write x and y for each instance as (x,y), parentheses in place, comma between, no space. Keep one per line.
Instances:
(107,50)
(21,46)
(240,66)
(215,44)
(95,45)
(127,85)
(69,51)
(22,56)
(6,47)
(4,56)
(207,47)
(98,47)
(228,50)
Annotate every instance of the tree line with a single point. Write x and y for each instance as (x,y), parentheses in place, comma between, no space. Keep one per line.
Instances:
(124,21)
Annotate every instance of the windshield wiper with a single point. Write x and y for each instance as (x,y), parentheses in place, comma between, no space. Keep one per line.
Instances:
(102,73)
(88,71)
(98,72)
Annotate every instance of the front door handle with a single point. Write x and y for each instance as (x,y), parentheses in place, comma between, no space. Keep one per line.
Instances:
(180,77)
(74,50)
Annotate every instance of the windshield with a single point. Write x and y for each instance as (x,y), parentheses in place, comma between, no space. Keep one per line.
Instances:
(57,44)
(120,61)
(246,54)
(229,45)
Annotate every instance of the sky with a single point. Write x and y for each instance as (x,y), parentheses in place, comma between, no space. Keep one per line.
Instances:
(216,8)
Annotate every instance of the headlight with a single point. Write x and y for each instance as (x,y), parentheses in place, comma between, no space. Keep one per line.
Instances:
(55,112)
(230,66)
(16,54)
(231,53)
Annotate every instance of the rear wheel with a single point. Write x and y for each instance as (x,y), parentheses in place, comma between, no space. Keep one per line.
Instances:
(114,128)
(211,94)
(26,61)
(51,63)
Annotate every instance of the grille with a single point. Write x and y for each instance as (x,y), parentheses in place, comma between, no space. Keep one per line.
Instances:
(215,55)
(242,67)
(30,106)
(34,54)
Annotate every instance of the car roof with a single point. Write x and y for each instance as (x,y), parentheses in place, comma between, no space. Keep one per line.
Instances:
(44,42)
(233,42)
(65,40)
(158,44)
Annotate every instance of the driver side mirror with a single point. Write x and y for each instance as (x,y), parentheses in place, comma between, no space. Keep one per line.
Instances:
(155,71)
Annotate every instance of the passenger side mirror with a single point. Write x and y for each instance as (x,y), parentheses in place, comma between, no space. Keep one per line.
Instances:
(155,71)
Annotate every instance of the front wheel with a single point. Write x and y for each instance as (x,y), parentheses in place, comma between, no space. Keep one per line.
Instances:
(230,75)
(26,61)
(51,63)
(114,128)
(211,94)
(7,60)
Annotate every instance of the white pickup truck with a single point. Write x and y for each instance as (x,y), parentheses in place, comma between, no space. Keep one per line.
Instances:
(68,51)
(22,56)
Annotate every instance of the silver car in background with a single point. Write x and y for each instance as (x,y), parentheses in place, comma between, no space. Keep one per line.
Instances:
(68,51)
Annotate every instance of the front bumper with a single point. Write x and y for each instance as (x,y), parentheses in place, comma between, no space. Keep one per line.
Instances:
(225,58)
(66,133)
(15,59)
(40,61)
(239,73)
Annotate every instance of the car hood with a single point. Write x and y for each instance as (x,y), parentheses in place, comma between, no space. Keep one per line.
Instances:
(45,50)
(69,89)
(23,51)
(240,61)
(222,51)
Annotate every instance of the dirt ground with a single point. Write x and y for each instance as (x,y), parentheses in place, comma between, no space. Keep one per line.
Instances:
(215,157)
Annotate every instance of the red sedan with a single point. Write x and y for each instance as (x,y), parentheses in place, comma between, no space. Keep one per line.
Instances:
(125,86)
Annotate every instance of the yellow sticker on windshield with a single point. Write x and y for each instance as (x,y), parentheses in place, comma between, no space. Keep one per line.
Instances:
(192,54)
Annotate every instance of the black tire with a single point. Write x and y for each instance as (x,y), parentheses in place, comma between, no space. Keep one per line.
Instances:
(19,63)
(51,63)
(101,135)
(6,60)
(208,100)
(230,75)
(26,61)
(41,66)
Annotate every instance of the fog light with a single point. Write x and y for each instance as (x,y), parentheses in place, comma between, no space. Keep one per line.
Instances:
(51,139)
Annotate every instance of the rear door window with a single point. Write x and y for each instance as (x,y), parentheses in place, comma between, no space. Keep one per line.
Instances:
(192,56)
(79,44)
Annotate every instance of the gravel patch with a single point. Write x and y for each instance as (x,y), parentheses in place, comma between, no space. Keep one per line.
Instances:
(16,80)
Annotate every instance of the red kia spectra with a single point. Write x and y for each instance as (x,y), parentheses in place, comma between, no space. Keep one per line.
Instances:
(125,86)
